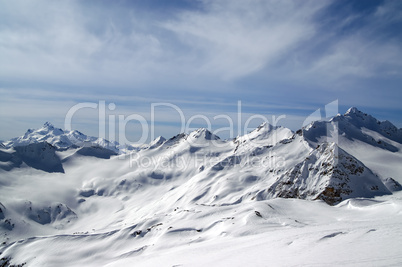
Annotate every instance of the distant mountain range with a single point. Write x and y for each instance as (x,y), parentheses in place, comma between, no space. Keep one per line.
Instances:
(312,166)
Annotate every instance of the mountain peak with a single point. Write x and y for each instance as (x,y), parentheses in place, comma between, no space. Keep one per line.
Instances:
(205,133)
(59,138)
(157,142)
(48,128)
(160,139)
(48,125)
(264,126)
(331,174)
(353,110)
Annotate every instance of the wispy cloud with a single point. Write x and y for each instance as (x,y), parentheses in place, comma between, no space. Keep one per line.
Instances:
(365,51)
(275,56)
(60,43)
(228,40)
(231,39)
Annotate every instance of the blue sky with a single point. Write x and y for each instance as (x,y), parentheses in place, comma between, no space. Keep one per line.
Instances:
(276,57)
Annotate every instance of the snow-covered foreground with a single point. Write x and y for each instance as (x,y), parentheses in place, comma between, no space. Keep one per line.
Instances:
(357,233)
(286,232)
(269,198)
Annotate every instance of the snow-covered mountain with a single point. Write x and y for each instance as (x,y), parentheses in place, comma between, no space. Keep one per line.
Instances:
(326,184)
(330,174)
(310,167)
(356,125)
(60,139)
(377,144)
(41,156)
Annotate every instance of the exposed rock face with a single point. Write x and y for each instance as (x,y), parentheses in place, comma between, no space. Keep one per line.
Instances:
(57,212)
(41,156)
(2,208)
(329,174)
(392,185)
(96,151)
(9,159)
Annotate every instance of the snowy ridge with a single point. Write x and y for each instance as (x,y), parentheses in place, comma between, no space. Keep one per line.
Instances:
(203,134)
(263,135)
(41,156)
(377,144)
(361,119)
(60,139)
(157,142)
(353,125)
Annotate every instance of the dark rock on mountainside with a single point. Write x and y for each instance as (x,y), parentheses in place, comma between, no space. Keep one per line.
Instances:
(41,156)
(329,174)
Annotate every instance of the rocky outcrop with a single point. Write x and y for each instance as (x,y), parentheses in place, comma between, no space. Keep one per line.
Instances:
(41,156)
(329,174)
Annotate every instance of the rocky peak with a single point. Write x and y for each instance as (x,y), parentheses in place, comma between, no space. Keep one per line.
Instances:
(48,125)
(353,110)
(330,174)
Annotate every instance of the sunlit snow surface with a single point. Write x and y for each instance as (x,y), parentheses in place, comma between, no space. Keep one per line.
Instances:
(179,209)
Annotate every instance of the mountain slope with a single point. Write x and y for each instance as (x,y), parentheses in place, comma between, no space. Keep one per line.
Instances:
(41,156)
(263,135)
(377,144)
(330,174)
(353,125)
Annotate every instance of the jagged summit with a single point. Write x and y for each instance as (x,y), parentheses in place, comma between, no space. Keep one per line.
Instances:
(59,138)
(49,129)
(48,125)
(175,139)
(265,126)
(355,125)
(158,141)
(361,119)
(204,134)
(353,110)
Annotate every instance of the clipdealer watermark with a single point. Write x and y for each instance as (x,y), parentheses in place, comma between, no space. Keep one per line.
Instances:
(236,127)
(147,130)
(204,161)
